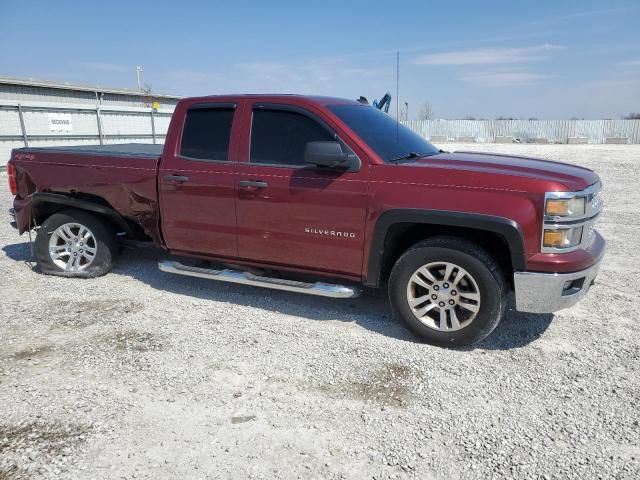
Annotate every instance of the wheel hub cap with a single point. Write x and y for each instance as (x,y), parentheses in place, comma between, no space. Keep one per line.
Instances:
(443,296)
(72,247)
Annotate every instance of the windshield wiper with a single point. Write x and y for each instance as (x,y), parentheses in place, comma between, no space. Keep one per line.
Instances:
(411,155)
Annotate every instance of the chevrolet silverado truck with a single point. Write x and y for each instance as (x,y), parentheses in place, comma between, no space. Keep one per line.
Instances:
(321,196)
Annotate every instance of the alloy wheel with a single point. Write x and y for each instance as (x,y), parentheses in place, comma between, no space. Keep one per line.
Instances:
(72,247)
(443,296)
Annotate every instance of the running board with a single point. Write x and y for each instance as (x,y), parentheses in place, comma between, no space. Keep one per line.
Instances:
(234,276)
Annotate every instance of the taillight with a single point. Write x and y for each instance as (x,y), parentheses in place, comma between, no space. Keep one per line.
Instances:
(13,186)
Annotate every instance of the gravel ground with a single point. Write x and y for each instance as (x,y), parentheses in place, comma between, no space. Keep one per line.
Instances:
(143,374)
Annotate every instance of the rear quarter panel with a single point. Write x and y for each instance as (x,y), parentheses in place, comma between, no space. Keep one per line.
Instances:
(128,184)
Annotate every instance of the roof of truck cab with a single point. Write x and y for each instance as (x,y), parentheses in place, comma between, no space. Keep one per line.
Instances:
(270,97)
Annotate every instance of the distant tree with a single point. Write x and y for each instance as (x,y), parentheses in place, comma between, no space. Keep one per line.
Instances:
(506,118)
(632,116)
(534,118)
(470,117)
(425,112)
(576,118)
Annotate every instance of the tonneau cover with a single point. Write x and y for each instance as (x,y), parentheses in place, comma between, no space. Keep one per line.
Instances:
(146,150)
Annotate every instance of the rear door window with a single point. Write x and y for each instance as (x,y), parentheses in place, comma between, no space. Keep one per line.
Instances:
(206,134)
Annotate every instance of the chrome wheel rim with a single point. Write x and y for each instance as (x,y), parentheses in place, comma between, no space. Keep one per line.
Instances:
(443,296)
(72,247)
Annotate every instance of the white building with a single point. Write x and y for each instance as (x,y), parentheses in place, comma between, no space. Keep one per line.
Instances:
(38,113)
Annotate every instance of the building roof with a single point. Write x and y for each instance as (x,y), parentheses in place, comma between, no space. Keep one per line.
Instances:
(30,82)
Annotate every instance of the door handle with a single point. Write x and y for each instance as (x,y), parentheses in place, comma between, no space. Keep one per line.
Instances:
(175,178)
(252,184)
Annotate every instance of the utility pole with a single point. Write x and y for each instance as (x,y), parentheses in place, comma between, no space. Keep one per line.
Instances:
(139,76)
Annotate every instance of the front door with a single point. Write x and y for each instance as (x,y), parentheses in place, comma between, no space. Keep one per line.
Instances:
(196,184)
(294,214)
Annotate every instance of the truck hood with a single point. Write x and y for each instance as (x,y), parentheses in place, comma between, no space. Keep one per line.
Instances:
(574,178)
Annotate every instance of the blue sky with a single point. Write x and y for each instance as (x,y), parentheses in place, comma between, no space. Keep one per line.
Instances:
(546,59)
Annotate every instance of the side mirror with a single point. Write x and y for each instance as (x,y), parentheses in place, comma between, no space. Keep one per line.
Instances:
(330,155)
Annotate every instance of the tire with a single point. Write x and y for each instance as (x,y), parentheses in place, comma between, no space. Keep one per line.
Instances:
(477,298)
(94,251)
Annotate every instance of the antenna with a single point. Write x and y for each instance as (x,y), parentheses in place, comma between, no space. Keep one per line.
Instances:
(397,95)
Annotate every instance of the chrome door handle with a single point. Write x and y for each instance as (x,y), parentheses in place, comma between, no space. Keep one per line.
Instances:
(252,184)
(175,178)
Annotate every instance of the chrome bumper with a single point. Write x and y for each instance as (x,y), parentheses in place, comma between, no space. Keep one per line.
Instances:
(548,292)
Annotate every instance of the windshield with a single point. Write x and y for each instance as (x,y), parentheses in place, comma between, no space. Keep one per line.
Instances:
(389,139)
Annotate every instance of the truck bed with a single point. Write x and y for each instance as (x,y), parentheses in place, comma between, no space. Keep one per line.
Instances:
(123,176)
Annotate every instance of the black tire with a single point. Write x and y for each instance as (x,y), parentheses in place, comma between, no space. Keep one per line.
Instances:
(105,241)
(470,257)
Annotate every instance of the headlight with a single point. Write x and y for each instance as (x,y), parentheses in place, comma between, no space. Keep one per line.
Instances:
(565,207)
(562,237)
(569,218)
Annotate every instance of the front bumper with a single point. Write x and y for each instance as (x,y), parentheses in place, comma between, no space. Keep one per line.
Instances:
(548,292)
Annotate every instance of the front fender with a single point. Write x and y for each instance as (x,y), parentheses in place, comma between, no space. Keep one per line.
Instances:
(505,227)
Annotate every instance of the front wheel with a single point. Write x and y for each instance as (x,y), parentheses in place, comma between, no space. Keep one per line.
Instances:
(73,243)
(448,291)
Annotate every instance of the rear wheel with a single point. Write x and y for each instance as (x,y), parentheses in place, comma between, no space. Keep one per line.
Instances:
(73,243)
(448,291)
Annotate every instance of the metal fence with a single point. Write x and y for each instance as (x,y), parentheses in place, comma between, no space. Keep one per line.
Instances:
(38,125)
(553,131)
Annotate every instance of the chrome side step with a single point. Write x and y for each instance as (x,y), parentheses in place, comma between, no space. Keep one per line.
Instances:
(234,276)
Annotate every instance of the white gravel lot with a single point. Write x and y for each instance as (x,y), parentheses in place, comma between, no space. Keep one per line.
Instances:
(142,374)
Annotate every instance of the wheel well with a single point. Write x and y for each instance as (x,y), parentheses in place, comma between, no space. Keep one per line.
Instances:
(92,204)
(401,236)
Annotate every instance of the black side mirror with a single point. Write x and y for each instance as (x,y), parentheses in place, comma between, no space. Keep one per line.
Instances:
(330,155)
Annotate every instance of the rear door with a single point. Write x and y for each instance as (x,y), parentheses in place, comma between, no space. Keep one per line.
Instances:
(196,182)
(290,213)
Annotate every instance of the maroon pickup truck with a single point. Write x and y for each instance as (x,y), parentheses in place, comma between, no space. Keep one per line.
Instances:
(322,196)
